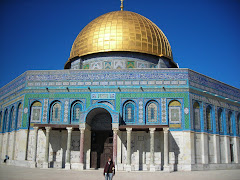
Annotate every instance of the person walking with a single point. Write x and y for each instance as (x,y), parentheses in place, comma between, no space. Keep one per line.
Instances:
(6,158)
(109,169)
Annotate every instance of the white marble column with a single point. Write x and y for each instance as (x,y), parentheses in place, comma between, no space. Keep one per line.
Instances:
(46,157)
(166,166)
(128,166)
(115,146)
(236,149)
(119,152)
(34,159)
(152,165)
(82,130)
(205,154)
(227,149)
(13,144)
(7,145)
(216,147)
(68,152)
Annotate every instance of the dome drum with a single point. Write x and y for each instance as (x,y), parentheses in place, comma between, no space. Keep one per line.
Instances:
(120,60)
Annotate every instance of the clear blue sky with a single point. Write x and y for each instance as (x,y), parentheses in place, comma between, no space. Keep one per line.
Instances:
(38,34)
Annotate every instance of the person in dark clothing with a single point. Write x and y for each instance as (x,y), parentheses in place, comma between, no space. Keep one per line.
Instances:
(109,169)
(6,158)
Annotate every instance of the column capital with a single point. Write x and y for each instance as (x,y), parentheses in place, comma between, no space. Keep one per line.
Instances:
(115,130)
(35,128)
(152,130)
(69,129)
(84,126)
(82,130)
(165,130)
(129,130)
(48,128)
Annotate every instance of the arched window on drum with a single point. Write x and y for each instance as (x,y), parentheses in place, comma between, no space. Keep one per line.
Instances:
(129,112)
(76,112)
(196,116)
(174,112)
(55,113)
(152,112)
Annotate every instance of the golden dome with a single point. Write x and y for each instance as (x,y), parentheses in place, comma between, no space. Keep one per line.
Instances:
(121,31)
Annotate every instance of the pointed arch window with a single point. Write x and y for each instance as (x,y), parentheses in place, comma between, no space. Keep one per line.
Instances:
(129,112)
(19,116)
(5,117)
(56,112)
(220,118)
(229,122)
(11,119)
(209,118)
(152,112)
(36,112)
(76,112)
(0,120)
(238,122)
(196,116)
(174,111)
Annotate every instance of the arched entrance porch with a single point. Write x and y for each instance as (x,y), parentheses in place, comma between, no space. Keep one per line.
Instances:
(100,121)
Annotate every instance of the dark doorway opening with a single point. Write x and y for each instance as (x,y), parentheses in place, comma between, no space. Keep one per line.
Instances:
(231,152)
(101,148)
(100,121)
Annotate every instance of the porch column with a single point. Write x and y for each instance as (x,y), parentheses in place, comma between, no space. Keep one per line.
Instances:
(205,154)
(45,163)
(34,159)
(166,166)
(152,165)
(82,130)
(6,153)
(216,148)
(115,131)
(13,144)
(236,149)
(128,166)
(227,149)
(68,154)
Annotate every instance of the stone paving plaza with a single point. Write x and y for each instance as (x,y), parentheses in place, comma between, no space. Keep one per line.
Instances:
(21,173)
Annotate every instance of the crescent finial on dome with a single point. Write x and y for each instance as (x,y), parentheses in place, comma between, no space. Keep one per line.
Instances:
(121,5)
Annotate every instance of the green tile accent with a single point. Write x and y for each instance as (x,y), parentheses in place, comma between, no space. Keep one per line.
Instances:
(86,66)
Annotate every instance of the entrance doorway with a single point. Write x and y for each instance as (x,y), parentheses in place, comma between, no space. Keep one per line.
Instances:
(101,148)
(100,121)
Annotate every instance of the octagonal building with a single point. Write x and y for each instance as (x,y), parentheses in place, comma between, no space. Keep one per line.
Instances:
(121,95)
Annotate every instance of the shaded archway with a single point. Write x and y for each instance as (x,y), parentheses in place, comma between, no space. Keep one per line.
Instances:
(100,121)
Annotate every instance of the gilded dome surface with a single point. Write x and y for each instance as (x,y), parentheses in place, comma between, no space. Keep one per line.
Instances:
(121,31)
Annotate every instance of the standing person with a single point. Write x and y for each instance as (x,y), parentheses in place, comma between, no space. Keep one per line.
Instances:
(109,169)
(6,158)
